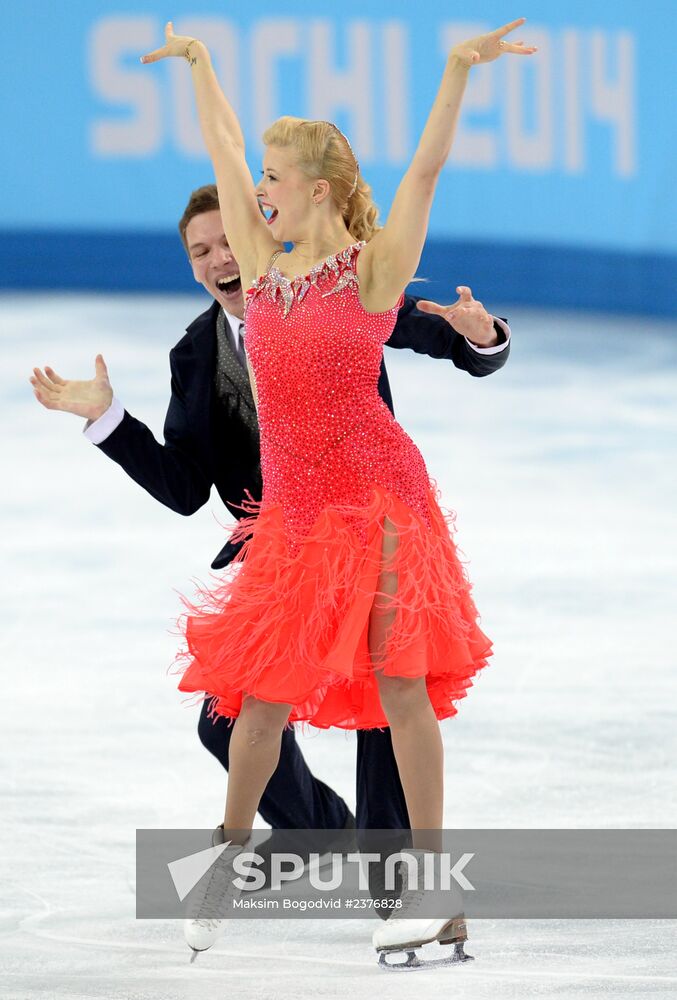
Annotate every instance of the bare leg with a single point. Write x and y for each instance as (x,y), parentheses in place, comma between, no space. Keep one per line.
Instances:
(254,755)
(417,742)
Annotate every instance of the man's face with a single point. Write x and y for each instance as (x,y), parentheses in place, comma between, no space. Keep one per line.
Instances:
(213,263)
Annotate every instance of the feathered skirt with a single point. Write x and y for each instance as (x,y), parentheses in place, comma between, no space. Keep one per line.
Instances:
(288,622)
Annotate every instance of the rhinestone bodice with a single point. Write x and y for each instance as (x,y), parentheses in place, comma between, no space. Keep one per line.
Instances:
(326,434)
(291,289)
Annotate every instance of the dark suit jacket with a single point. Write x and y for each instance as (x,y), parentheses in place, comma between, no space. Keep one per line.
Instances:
(207,443)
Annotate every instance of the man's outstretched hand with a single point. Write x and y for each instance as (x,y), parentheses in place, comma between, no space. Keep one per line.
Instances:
(467,316)
(86,399)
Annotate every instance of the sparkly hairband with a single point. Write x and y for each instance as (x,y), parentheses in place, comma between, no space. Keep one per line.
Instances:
(357,164)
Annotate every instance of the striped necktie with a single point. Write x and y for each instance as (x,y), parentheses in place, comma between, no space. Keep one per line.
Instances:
(239,347)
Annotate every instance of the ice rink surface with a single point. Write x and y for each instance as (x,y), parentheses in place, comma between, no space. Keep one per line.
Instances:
(561,468)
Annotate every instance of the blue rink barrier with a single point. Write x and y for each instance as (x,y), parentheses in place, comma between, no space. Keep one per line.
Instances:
(549,276)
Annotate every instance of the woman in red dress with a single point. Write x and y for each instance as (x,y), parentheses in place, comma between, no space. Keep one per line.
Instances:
(347,605)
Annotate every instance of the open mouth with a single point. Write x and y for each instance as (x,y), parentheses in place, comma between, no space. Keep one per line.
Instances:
(269,213)
(230,285)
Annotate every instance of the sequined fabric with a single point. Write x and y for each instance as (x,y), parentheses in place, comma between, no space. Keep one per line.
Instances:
(290,621)
(326,435)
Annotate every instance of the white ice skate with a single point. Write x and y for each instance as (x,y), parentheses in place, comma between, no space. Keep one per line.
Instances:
(204,925)
(404,931)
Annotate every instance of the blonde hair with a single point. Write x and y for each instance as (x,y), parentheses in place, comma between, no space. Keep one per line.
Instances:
(323,151)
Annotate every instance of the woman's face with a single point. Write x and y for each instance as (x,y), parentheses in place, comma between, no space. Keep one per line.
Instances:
(285,194)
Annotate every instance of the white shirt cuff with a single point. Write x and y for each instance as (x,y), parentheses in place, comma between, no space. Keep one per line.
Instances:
(97,431)
(497,348)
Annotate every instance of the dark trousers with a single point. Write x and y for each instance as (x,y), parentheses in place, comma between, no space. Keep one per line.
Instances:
(295,800)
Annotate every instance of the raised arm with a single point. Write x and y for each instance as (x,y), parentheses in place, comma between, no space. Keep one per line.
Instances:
(434,335)
(389,261)
(170,472)
(243,223)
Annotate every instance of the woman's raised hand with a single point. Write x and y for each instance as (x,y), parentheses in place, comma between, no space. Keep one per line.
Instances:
(175,45)
(486,48)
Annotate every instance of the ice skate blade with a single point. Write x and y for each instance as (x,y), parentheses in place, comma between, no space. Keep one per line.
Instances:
(412,961)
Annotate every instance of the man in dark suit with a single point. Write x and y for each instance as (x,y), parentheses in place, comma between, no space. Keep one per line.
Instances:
(211,438)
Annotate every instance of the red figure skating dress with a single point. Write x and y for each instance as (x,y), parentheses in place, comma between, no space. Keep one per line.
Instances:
(289,621)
